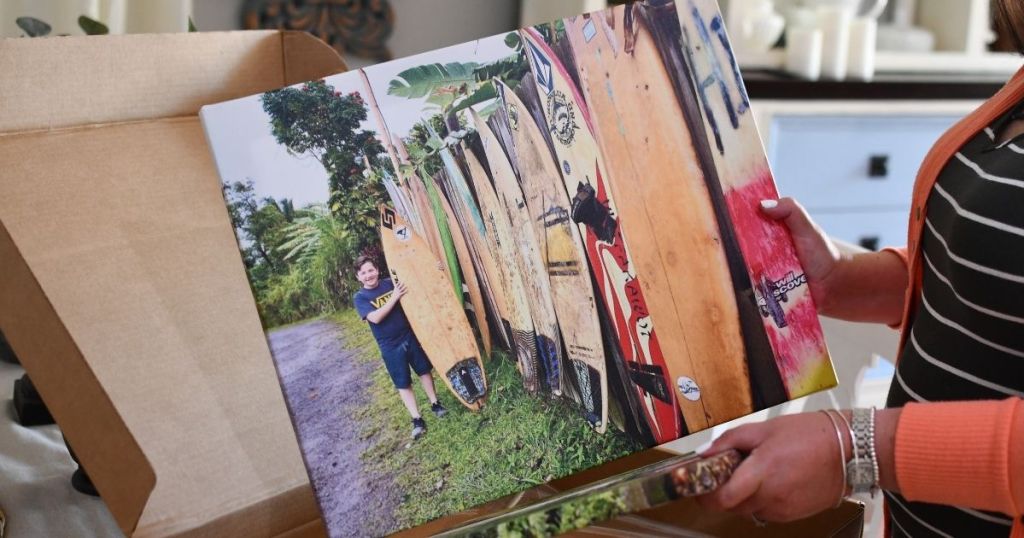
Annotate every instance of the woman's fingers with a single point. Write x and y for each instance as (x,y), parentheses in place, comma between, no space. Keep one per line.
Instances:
(792,214)
(743,438)
(741,488)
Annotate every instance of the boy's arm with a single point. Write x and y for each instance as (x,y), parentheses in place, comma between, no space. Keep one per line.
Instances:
(379,314)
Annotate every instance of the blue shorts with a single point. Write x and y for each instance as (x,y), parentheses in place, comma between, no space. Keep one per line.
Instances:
(398,360)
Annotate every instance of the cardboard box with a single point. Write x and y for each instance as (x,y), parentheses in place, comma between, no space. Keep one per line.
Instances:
(121,287)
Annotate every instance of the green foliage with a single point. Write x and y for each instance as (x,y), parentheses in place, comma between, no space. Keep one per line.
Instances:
(513,41)
(552,31)
(260,226)
(570,516)
(92,26)
(425,138)
(424,80)
(453,87)
(517,441)
(33,27)
(299,259)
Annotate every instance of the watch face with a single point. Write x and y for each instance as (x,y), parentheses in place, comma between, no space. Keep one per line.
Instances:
(860,474)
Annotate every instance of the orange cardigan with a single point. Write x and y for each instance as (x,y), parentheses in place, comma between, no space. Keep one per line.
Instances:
(967,454)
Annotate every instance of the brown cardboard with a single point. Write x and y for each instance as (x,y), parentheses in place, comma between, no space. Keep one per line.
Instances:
(121,287)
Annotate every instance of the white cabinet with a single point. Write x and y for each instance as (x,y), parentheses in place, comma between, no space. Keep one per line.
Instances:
(852,164)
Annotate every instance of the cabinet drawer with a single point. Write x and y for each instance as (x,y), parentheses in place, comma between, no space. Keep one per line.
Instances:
(869,229)
(851,162)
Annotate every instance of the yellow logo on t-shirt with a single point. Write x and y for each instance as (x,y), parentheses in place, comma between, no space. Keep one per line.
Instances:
(379,301)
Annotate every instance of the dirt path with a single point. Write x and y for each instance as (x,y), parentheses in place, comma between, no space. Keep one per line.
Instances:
(325,385)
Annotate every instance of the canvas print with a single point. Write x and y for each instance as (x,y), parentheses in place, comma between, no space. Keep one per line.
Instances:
(499,263)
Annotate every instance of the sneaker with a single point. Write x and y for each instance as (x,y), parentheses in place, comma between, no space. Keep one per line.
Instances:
(419,427)
(438,409)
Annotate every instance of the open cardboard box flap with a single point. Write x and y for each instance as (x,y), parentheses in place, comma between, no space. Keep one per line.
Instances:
(121,287)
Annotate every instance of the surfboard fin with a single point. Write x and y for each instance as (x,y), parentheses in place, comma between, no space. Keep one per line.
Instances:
(467,379)
(651,378)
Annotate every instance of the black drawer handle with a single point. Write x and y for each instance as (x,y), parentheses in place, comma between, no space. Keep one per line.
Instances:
(878,166)
(869,242)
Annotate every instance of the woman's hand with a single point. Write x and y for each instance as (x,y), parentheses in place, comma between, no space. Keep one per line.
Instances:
(792,469)
(864,286)
(817,253)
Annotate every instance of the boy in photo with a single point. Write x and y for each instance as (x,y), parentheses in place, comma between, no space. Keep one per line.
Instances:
(378,303)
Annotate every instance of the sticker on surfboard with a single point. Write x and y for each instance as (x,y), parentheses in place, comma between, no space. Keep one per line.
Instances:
(402,233)
(688,388)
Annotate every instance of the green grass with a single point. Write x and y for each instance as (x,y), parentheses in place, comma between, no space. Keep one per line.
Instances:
(516,442)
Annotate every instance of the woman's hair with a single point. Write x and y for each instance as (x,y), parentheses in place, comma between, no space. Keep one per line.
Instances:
(363,260)
(1010,18)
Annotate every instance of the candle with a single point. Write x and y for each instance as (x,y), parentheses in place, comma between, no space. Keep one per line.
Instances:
(861,64)
(803,52)
(834,23)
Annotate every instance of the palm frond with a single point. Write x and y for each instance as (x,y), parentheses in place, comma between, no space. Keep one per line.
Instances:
(420,81)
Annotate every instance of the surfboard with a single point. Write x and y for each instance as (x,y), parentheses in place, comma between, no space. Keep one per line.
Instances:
(528,260)
(468,218)
(469,275)
(499,233)
(436,316)
(565,259)
(485,241)
(647,157)
(596,213)
(450,255)
(432,235)
(788,311)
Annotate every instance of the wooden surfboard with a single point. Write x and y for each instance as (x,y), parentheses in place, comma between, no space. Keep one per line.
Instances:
(468,218)
(788,311)
(485,241)
(565,259)
(500,234)
(436,316)
(432,235)
(597,214)
(666,213)
(528,260)
(469,276)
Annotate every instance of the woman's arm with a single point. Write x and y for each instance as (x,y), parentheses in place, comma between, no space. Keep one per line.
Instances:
(968,454)
(963,454)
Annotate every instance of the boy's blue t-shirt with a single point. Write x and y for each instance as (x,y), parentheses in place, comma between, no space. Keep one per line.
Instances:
(393,329)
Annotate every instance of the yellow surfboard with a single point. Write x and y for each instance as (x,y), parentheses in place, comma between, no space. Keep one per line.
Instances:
(435,314)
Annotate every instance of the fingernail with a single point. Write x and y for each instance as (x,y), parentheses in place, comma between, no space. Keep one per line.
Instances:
(769,204)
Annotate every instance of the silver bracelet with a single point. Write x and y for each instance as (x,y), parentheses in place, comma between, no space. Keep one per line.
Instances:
(842,455)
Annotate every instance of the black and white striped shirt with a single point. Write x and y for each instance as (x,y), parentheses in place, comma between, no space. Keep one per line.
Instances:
(967,339)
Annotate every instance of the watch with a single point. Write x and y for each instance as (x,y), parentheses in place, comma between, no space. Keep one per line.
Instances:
(862,470)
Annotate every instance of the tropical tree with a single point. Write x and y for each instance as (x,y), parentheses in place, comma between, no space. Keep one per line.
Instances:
(321,248)
(259,225)
(321,122)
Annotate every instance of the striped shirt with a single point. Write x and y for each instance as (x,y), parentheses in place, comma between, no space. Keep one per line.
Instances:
(967,339)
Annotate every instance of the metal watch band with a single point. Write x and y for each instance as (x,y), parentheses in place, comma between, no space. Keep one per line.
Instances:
(862,470)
